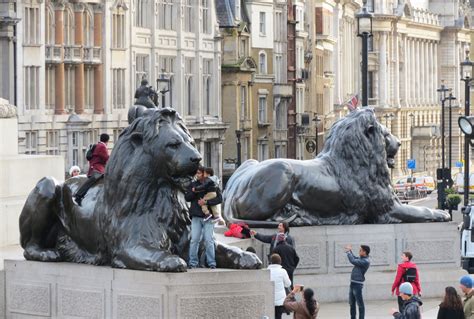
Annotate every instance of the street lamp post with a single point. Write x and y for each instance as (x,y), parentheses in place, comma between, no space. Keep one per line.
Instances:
(412,116)
(316,121)
(163,86)
(442,182)
(364,30)
(238,134)
(450,98)
(466,76)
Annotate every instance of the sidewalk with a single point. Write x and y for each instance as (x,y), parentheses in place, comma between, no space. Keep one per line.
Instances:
(373,309)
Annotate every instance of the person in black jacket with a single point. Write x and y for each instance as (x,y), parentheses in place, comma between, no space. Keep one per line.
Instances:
(283,228)
(451,307)
(411,307)
(200,227)
(289,257)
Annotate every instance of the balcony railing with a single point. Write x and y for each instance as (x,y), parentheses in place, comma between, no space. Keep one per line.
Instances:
(53,53)
(72,54)
(92,55)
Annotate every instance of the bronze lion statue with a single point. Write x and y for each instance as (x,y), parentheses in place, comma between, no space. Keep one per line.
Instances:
(347,183)
(136,216)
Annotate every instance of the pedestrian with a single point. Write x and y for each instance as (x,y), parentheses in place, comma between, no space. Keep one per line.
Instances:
(281,280)
(289,257)
(100,157)
(411,306)
(74,171)
(361,265)
(451,307)
(465,283)
(407,271)
(307,308)
(283,227)
(200,227)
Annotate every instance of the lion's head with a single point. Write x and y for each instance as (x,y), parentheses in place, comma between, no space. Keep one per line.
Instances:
(361,150)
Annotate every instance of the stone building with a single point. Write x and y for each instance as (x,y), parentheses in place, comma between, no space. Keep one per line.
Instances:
(78,63)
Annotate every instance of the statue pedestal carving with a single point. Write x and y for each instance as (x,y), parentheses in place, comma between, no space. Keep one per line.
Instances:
(324,266)
(37,289)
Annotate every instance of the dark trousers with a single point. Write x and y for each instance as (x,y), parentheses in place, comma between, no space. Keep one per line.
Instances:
(290,275)
(355,296)
(279,310)
(91,180)
(400,304)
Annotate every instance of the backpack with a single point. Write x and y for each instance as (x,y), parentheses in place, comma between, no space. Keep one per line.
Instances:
(410,275)
(90,151)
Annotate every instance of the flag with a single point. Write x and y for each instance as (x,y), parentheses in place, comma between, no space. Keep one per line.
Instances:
(352,102)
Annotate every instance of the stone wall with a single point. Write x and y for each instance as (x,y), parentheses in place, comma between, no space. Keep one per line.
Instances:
(69,290)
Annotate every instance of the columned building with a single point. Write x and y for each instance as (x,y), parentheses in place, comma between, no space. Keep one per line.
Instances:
(78,63)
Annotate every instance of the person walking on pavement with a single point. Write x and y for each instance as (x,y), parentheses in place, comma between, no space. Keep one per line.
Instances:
(451,307)
(407,271)
(411,306)
(465,283)
(361,265)
(289,257)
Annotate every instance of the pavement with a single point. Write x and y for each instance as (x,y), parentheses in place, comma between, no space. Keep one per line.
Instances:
(373,309)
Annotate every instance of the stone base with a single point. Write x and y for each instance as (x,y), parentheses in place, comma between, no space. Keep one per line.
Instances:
(67,290)
(324,266)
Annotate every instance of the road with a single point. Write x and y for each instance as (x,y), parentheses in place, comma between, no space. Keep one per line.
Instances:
(431,201)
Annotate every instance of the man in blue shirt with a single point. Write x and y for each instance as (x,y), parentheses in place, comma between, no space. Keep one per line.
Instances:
(361,265)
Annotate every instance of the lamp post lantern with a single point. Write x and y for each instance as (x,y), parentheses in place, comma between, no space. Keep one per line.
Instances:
(163,86)
(466,76)
(316,121)
(364,30)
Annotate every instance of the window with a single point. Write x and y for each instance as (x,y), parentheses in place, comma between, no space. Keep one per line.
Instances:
(167,69)
(205,28)
(299,100)
(370,44)
(237,10)
(118,31)
(208,154)
(31,26)
(88,29)
(52,142)
(243,47)
(49,35)
(370,85)
(188,75)
(166,20)
(141,68)
(31,85)
(89,87)
(243,103)
(31,142)
(262,109)
(281,116)
(75,148)
(278,26)
(280,151)
(262,24)
(370,5)
(142,10)
(299,18)
(188,16)
(206,85)
(68,27)
(50,86)
(118,88)
(69,87)
(262,150)
(262,63)
(278,68)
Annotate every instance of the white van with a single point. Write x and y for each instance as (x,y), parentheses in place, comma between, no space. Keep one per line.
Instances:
(459,183)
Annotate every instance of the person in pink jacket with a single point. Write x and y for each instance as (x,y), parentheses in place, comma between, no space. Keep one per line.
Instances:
(406,272)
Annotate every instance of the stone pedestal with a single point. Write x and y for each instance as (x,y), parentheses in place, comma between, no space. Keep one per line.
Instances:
(67,290)
(325,268)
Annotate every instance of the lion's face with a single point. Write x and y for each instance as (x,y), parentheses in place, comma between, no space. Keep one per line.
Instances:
(392,144)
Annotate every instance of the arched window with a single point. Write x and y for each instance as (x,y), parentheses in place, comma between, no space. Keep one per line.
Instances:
(68,27)
(88,29)
(206,85)
(262,62)
(49,26)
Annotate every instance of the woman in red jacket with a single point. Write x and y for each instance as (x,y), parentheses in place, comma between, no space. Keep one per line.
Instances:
(406,272)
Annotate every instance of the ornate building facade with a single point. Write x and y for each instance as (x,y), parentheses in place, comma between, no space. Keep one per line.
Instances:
(78,63)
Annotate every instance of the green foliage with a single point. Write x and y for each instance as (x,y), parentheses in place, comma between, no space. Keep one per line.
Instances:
(451,190)
(453,199)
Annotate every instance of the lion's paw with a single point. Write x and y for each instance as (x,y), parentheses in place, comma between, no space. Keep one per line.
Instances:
(249,260)
(172,263)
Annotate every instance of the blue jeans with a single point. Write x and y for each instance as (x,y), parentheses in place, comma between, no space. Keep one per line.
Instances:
(355,295)
(206,229)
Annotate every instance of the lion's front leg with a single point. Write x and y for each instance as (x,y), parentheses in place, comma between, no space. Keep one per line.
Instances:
(414,214)
(236,258)
(142,258)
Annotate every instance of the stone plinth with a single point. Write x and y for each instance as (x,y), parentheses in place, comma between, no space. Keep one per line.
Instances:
(324,265)
(66,290)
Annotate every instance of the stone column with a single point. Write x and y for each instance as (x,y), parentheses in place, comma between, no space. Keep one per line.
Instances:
(79,74)
(59,71)
(412,75)
(422,76)
(418,72)
(98,75)
(396,85)
(436,75)
(383,69)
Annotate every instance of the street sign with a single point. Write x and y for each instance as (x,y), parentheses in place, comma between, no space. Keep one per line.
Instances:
(411,164)
(310,146)
(459,164)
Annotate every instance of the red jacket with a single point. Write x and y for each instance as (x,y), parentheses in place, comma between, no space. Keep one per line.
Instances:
(100,156)
(235,230)
(399,278)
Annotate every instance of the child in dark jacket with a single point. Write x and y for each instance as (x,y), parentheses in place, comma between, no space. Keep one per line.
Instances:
(209,187)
